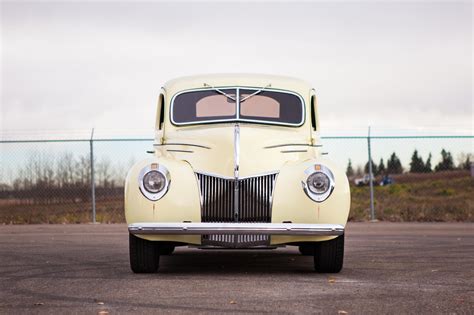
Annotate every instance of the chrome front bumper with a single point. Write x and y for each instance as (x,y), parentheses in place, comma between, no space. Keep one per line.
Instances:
(236,228)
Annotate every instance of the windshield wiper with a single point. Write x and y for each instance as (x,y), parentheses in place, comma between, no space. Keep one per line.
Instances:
(221,92)
(233,98)
(256,92)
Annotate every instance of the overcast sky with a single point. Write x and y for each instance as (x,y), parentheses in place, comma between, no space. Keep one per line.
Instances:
(388,64)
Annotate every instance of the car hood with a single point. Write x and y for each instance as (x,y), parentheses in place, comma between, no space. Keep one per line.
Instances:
(210,149)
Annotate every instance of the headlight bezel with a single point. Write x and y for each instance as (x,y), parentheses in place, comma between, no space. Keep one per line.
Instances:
(318,168)
(154,167)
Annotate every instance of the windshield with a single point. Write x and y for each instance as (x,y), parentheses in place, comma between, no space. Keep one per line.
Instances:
(254,105)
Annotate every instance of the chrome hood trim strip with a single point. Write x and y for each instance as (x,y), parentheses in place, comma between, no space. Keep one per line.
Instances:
(293,145)
(236,150)
(183,144)
(179,228)
(237,161)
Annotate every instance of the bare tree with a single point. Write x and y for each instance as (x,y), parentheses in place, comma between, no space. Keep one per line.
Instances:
(104,172)
(83,171)
(65,170)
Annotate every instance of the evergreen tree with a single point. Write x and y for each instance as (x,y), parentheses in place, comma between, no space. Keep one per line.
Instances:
(394,166)
(446,163)
(349,170)
(427,168)
(381,168)
(416,165)
(374,168)
(465,162)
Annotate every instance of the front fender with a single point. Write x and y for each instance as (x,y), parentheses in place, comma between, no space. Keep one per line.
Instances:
(291,204)
(181,203)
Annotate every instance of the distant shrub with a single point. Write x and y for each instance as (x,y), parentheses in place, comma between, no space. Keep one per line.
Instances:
(446,192)
(396,189)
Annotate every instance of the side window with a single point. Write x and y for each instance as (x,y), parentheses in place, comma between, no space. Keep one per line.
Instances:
(313,116)
(162,112)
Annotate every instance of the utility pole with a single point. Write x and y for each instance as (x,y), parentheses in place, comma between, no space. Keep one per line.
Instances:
(371,181)
(91,142)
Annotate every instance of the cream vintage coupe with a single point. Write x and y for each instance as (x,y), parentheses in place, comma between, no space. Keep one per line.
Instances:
(236,164)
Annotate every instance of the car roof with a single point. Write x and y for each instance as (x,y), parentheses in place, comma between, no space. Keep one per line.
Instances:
(237,79)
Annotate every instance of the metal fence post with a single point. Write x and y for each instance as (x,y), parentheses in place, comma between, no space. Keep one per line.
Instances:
(91,142)
(371,182)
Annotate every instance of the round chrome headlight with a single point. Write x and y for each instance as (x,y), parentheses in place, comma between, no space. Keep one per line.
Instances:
(318,182)
(154,181)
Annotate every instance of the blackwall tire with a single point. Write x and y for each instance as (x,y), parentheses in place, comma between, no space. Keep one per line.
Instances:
(329,255)
(144,255)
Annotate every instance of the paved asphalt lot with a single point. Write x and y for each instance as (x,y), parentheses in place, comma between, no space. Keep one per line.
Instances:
(389,268)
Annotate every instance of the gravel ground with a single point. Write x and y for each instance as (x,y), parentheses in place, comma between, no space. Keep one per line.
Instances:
(388,268)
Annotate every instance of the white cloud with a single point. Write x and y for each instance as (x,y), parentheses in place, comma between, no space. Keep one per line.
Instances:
(101,64)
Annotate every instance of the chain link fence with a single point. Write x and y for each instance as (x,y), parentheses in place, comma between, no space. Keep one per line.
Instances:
(412,178)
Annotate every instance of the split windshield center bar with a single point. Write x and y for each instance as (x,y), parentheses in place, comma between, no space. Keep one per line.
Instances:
(237,102)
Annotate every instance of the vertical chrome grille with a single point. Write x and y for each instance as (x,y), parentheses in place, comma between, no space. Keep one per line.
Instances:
(219,205)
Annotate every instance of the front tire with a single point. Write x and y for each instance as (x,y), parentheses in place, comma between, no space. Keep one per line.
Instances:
(329,255)
(144,255)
